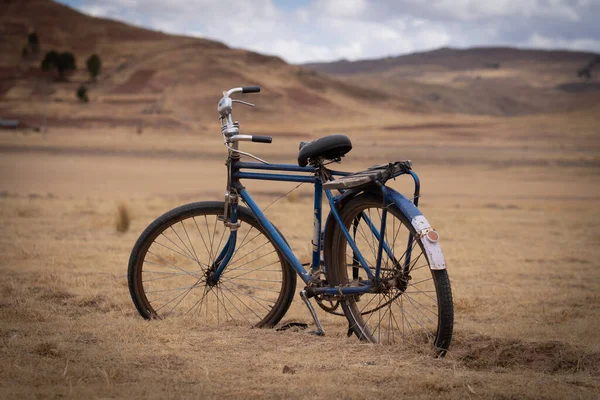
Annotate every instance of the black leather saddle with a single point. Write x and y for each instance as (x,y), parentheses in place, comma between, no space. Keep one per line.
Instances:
(329,147)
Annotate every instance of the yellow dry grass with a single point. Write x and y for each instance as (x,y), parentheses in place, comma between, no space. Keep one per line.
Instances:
(123,218)
(515,202)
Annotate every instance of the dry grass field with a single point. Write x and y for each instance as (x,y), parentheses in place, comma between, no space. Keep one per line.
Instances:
(510,170)
(516,203)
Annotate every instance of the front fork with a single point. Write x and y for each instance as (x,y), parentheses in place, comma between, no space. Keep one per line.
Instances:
(230,220)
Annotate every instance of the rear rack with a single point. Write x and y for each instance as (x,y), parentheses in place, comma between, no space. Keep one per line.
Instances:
(376,174)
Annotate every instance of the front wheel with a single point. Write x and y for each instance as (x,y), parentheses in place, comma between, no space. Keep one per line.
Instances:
(413,305)
(173,257)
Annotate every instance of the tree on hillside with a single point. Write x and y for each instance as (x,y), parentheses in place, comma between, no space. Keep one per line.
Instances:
(94,66)
(586,72)
(62,63)
(82,94)
(33,41)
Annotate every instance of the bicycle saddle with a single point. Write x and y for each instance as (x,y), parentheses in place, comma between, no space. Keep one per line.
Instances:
(329,147)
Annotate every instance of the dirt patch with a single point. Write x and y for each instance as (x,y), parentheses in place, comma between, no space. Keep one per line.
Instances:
(98,303)
(427,126)
(485,353)
(136,82)
(128,101)
(578,87)
(54,295)
(359,92)
(497,206)
(98,122)
(87,338)
(304,98)
(462,135)
(5,86)
(257,58)
(162,362)
(47,349)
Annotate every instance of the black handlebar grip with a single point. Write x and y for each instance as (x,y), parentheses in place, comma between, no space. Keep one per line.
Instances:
(262,139)
(250,89)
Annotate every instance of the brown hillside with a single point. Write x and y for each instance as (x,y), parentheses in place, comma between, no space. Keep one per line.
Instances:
(456,59)
(491,81)
(151,78)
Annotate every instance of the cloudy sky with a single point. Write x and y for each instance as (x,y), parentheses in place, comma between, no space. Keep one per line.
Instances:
(326,30)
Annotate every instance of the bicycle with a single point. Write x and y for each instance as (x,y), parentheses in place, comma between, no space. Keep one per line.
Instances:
(228,264)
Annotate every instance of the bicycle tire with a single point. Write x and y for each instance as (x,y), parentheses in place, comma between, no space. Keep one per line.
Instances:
(414,312)
(257,296)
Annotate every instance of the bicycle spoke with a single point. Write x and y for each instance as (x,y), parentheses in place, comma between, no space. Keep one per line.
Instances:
(189,240)
(182,242)
(257,269)
(254,287)
(248,262)
(415,320)
(185,295)
(249,308)
(176,245)
(423,291)
(220,241)
(161,278)
(237,309)
(181,254)
(199,302)
(424,280)
(405,308)
(411,299)
(371,314)
(155,299)
(202,237)
(223,305)
(378,326)
(243,243)
(175,298)
(167,266)
(255,298)
(212,239)
(248,291)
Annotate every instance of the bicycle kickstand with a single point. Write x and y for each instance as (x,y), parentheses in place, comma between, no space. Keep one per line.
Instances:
(319,331)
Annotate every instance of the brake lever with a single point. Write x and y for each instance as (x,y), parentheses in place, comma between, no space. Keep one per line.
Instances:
(243,102)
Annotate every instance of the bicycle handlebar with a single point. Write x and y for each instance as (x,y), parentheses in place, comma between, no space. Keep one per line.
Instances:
(251,138)
(262,139)
(250,89)
(242,89)
(231,129)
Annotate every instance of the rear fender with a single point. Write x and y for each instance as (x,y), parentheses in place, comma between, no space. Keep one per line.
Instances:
(430,241)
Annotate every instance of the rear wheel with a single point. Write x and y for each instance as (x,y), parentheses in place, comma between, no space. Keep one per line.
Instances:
(173,257)
(413,305)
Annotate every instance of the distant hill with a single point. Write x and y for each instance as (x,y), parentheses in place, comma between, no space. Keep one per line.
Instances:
(490,81)
(455,59)
(175,79)
(152,79)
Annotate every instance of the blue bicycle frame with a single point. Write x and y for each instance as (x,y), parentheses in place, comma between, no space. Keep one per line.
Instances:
(390,197)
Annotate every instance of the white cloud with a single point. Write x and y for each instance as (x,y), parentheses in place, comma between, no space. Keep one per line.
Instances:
(294,51)
(341,8)
(332,29)
(99,10)
(539,41)
(477,9)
